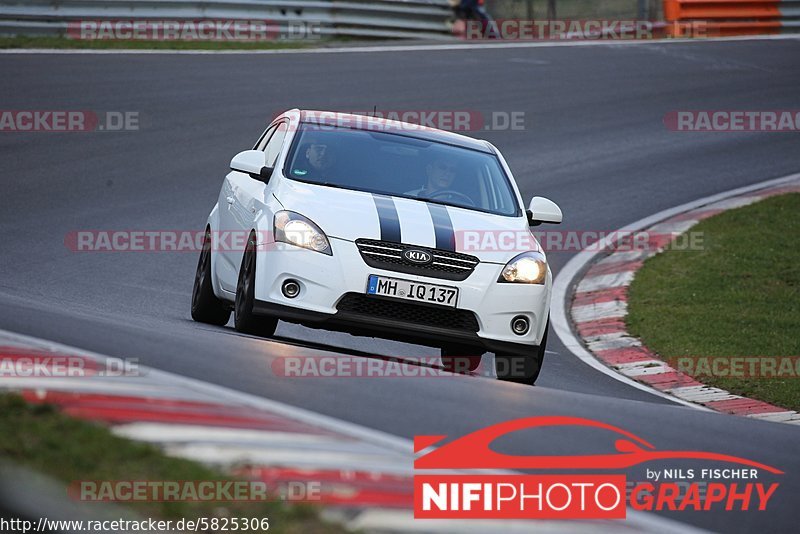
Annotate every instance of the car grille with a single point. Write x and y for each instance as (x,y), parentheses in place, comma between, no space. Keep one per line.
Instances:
(389,256)
(449,318)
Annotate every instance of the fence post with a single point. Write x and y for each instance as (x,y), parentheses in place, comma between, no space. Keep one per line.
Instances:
(652,11)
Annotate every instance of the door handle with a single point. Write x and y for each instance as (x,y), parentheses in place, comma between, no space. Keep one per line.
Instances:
(229,200)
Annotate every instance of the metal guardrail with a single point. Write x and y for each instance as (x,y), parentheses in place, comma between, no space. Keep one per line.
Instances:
(732,17)
(417,19)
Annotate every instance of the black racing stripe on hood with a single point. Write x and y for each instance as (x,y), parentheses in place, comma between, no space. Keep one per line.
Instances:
(387,216)
(442,227)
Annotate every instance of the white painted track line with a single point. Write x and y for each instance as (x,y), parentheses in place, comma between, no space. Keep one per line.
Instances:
(400,48)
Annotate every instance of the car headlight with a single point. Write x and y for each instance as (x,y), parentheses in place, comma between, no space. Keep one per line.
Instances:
(293,228)
(527,268)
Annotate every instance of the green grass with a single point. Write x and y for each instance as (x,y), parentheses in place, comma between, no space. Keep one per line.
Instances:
(21,41)
(739,296)
(68,449)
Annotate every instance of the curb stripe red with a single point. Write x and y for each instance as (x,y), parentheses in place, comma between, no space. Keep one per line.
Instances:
(602,295)
(664,378)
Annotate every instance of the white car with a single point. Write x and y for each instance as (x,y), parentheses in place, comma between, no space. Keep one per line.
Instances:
(380,228)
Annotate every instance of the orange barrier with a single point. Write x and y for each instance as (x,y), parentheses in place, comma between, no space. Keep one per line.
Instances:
(714,18)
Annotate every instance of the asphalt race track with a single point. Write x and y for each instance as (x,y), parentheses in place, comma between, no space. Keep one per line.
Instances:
(594,142)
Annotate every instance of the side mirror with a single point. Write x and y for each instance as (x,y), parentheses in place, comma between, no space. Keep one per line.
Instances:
(252,163)
(543,210)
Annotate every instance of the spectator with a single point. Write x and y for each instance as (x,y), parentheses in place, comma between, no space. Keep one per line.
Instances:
(474,10)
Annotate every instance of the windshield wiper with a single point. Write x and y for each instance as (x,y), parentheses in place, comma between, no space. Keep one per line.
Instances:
(331,184)
(440,202)
(326,184)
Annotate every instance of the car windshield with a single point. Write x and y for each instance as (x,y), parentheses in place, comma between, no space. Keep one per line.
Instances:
(398,165)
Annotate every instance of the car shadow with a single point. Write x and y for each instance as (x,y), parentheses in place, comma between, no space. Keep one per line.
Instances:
(345,351)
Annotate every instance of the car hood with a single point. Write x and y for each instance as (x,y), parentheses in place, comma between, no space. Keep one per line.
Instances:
(350,215)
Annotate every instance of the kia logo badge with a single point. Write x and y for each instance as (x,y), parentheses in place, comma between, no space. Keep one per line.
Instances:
(417,256)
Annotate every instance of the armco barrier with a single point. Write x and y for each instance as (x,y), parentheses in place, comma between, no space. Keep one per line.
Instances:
(419,19)
(731,17)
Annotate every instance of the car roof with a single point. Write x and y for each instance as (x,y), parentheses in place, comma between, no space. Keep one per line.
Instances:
(365,122)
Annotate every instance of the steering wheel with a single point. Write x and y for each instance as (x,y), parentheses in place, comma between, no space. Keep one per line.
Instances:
(451,193)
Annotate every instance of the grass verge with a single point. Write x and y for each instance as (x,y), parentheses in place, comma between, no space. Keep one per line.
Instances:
(737,297)
(67,449)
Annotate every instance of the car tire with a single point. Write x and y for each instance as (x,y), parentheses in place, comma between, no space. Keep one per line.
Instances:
(460,360)
(206,307)
(522,369)
(244,319)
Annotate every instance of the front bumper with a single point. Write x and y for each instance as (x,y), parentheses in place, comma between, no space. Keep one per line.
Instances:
(325,280)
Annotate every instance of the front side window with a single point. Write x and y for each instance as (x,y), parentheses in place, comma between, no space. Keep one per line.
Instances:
(265,137)
(273,148)
(398,165)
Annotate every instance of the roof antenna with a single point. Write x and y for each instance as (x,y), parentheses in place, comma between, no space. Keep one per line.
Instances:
(374,110)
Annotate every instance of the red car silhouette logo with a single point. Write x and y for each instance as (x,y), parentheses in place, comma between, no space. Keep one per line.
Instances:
(473,451)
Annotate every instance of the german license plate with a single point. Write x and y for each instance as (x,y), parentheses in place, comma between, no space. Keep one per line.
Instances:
(414,291)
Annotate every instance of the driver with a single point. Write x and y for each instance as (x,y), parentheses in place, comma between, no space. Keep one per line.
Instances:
(441,174)
(316,161)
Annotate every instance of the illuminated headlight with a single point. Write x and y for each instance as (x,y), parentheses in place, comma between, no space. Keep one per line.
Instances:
(527,268)
(293,228)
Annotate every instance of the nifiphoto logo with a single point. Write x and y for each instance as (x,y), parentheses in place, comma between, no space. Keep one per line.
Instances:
(602,492)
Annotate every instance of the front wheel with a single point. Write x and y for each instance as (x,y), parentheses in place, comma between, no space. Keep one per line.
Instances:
(244,319)
(206,307)
(522,369)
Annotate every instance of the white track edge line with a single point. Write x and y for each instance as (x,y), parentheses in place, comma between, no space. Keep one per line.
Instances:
(577,264)
(397,48)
